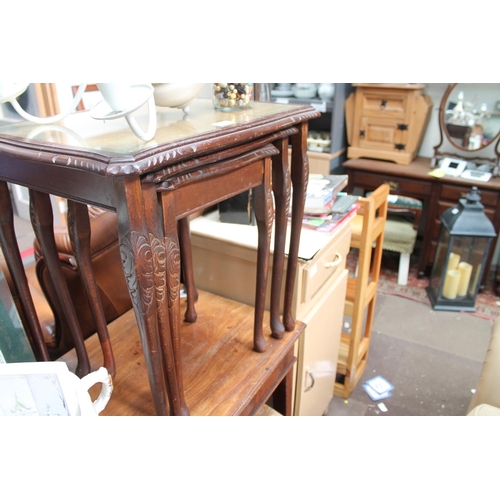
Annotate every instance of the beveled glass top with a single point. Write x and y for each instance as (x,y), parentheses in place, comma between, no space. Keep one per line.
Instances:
(114,137)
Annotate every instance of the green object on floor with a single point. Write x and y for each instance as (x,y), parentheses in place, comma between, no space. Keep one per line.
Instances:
(14,344)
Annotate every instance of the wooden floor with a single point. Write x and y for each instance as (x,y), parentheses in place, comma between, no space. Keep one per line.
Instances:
(222,373)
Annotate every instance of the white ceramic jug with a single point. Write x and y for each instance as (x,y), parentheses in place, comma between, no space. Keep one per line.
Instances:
(50,389)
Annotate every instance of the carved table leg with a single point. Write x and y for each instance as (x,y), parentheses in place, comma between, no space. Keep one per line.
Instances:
(300,175)
(264,215)
(172,293)
(43,225)
(139,261)
(15,265)
(281,189)
(79,233)
(187,268)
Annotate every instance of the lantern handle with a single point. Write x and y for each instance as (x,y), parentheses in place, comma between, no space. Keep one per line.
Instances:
(473,196)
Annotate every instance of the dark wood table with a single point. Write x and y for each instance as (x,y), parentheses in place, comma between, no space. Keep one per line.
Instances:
(192,162)
(437,194)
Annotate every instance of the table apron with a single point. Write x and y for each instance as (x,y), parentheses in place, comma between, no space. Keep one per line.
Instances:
(75,184)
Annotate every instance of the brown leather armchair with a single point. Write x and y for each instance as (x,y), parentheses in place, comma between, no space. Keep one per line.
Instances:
(106,260)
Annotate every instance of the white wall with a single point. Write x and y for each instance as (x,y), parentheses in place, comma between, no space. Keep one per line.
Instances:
(431,138)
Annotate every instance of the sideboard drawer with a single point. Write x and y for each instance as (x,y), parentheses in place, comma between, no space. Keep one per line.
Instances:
(398,185)
(455,193)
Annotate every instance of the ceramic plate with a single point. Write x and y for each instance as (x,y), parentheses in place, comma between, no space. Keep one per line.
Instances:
(282,93)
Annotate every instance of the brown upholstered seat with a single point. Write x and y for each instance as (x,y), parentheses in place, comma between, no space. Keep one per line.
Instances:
(109,276)
(106,261)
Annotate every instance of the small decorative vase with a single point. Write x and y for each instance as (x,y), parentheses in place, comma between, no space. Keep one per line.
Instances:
(232,96)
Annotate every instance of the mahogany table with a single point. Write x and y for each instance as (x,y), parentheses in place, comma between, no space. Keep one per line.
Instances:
(193,162)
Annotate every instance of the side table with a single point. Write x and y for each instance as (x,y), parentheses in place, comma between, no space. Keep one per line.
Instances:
(225,257)
(151,186)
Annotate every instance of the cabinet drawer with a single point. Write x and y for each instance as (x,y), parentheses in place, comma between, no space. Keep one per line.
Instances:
(391,105)
(454,193)
(327,265)
(399,185)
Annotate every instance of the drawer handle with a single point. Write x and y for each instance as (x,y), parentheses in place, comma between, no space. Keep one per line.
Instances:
(335,262)
(309,372)
(392,184)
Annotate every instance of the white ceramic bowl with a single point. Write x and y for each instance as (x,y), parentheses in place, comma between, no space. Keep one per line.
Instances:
(305,90)
(176,95)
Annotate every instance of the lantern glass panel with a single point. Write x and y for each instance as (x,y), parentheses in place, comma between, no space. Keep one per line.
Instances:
(440,262)
(463,254)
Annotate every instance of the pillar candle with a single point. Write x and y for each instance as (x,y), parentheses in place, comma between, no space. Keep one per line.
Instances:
(451,282)
(465,270)
(453,261)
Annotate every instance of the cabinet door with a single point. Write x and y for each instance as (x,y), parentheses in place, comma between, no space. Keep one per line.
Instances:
(318,350)
(382,133)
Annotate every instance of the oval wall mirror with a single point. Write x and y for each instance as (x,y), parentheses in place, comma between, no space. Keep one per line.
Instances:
(470,115)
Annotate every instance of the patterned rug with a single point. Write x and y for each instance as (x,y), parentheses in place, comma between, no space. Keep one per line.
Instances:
(487,302)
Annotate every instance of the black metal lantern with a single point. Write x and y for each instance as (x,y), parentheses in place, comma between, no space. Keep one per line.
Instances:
(464,242)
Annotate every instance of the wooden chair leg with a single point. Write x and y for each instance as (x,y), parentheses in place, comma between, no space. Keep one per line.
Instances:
(404,268)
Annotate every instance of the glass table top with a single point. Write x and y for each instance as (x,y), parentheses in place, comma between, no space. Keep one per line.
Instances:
(114,137)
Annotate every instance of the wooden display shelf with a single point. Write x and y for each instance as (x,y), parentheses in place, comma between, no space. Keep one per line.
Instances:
(222,373)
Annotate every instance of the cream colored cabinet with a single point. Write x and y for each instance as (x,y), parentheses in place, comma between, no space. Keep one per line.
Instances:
(224,259)
(317,362)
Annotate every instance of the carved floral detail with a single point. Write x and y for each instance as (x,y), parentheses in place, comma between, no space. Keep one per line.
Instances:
(173,269)
(159,264)
(270,211)
(136,250)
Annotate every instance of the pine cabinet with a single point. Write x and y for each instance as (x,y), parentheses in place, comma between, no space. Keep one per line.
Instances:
(386,121)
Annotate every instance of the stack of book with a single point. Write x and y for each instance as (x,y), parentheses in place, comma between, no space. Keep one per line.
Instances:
(326,207)
(322,191)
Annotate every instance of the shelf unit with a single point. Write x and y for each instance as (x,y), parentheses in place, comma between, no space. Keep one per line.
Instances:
(332,120)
